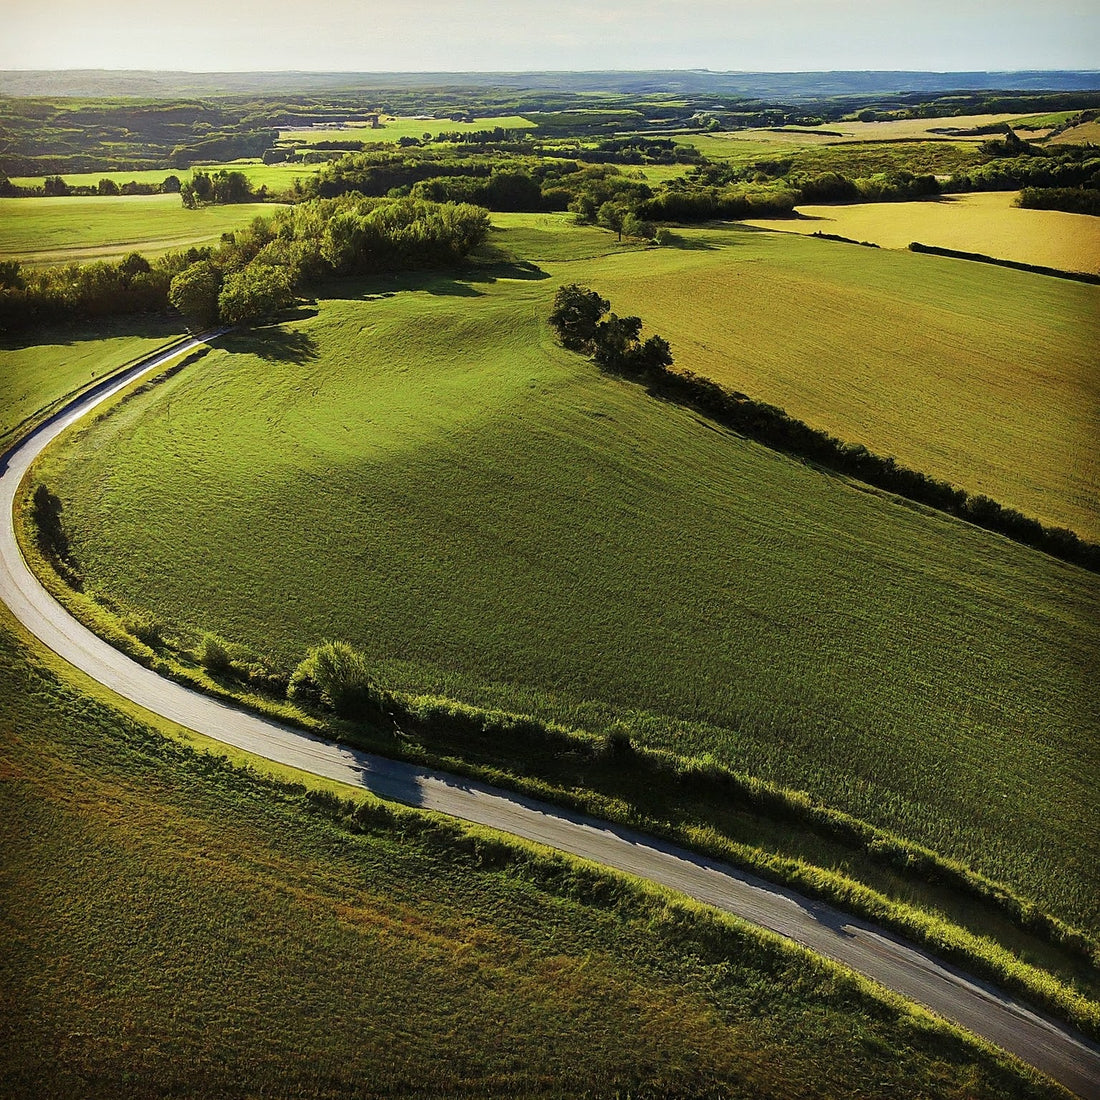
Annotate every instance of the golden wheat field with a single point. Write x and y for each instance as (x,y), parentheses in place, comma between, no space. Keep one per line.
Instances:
(986,222)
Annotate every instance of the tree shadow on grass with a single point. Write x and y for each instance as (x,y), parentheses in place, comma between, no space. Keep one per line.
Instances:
(145,325)
(464,282)
(272,342)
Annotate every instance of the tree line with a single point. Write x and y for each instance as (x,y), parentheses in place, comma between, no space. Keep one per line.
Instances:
(582,324)
(255,272)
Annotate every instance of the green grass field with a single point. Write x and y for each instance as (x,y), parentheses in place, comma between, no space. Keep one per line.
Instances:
(983,377)
(419,470)
(62,361)
(175,927)
(393,128)
(276,177)
(67,230)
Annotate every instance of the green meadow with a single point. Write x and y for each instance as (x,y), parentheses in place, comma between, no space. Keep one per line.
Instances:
(36,376)
(417,468)
(76,229)
(174,926)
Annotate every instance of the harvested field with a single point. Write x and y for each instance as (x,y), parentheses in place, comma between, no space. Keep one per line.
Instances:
(985,222)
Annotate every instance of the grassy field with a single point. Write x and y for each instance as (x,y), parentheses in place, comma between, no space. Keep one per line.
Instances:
(173,926)
(67,230)
(393,128)
(276,177)
(942,363)
(987,222)
(61,361)
(1083,134)
(492,520)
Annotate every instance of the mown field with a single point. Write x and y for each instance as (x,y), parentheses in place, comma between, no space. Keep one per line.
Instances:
(393,128)
(80,230)
(986,222)
(173,926)
(34,375)
(419,470)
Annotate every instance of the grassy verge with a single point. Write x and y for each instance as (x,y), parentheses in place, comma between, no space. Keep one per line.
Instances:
(175,925)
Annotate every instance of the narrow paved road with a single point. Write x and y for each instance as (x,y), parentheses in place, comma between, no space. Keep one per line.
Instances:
(896,964)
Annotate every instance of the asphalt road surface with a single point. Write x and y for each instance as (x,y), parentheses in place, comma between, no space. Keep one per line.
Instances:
(894,963)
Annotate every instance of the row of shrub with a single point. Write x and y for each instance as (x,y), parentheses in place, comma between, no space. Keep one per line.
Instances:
(56,187)
(1016,265)
(337,677)
(576,318)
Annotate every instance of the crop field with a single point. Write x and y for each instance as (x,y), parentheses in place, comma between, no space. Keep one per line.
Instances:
(183,927)
(393,128)
(1086,133)
(963,370)
(61,361)
(276,177)
(987,222)
(67,230)
(491,519)
(920,129)
(854,158)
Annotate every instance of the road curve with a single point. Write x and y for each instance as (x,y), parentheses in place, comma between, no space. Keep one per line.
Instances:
(896,964)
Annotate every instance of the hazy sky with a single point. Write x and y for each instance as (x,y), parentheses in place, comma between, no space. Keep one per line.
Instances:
(452,35)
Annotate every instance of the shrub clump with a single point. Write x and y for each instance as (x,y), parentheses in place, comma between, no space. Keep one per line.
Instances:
(214,655)
(338,676)
(145,628)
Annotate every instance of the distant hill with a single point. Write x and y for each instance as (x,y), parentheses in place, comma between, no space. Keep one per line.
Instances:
(807,85)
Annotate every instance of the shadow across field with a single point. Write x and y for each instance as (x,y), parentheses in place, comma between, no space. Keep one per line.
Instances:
(273,343)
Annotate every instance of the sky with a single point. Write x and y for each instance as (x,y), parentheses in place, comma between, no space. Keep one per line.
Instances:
(509,35)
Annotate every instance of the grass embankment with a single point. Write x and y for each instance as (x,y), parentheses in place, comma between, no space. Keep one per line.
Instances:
(491,520)
(1084,133)
(37,377)
(173,925)
(75,229)
(986,222)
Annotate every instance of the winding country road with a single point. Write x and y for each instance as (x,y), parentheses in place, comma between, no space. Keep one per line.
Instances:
(889,960)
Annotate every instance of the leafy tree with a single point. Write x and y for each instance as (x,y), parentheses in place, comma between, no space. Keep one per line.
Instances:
(171,185)
(257,292)
(107,187)
(338,676)
(194,292)
(11,277)
(576,316)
